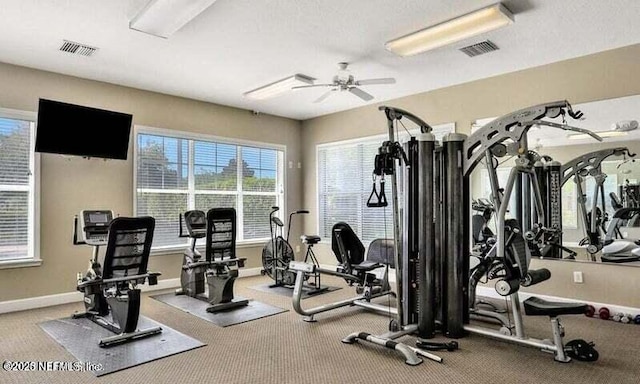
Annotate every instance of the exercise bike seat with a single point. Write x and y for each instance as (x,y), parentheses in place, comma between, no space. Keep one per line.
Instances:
(310,239)
(366,266)
(535,306)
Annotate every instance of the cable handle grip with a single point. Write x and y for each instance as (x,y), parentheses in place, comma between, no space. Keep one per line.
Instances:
(381,197)
(180,233)
(75,232)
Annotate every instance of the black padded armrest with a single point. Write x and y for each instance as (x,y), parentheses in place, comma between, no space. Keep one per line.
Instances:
(197,264)
(239,260)
(102,282)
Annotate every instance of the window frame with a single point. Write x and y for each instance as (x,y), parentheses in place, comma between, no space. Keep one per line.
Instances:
(186,135)
(34,197)
(402,137)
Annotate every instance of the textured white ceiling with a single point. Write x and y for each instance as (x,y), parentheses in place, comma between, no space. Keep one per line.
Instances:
(239,45)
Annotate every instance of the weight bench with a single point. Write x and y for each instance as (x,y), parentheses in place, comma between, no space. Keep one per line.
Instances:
(353,268)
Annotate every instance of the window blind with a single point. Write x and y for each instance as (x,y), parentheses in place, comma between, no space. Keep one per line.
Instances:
(16,189)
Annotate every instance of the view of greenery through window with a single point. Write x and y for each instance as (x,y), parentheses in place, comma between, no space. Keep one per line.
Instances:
(16,188)
(177,174)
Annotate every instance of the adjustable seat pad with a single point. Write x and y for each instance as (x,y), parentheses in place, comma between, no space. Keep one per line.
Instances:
(535,306)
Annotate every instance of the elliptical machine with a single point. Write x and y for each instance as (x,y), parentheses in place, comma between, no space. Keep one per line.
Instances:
(220,267)
(111,296)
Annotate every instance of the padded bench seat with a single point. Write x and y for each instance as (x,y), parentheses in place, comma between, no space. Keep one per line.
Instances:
(366,266)
(310,239)
(535,306)
(620,258)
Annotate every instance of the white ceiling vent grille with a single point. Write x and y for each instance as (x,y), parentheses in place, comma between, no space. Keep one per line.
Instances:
(479,49)
(77,48)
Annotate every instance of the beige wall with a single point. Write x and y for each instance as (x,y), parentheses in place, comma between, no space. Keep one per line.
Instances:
(69,184)
(596,77)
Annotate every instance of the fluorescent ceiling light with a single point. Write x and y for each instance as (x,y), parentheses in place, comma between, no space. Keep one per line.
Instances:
(463,27)
(601,134)
(279,87)
(164,17)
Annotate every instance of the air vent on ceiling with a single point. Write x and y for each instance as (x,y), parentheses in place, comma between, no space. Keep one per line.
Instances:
(479,49)
(77,48)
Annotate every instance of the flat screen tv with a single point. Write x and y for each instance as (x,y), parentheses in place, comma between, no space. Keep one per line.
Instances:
(71,129)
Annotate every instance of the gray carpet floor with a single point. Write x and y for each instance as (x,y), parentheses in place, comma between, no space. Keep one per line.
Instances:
(284,349)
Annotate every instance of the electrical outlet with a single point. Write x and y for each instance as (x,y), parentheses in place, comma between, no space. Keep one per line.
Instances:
(297,249)
(577,277)
(299,165)
(291,165)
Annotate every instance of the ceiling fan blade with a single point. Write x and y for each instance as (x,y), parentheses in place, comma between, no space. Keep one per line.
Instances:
(361,94)
(387,80)
(324,96)
(312,86)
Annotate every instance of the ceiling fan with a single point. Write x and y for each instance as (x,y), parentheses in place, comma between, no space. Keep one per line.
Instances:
(344,81)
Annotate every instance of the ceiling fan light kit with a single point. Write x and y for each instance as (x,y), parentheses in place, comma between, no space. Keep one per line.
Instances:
(279,87)
(344,81)
(463,27)
(163,18)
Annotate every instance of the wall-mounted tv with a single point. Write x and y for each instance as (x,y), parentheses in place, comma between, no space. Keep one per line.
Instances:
(71,129)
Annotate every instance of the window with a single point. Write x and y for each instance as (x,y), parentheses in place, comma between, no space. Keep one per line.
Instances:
(18,183)
(176,172)
(344,185)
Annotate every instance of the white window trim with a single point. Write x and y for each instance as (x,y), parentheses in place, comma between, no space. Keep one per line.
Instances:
(34,205)
(357,141)
(144,129)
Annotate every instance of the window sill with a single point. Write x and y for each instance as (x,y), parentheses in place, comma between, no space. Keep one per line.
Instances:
(8,264)
(181,248)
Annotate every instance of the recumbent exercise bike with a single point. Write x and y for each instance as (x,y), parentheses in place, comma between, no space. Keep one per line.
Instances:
(111,296)
(220,267)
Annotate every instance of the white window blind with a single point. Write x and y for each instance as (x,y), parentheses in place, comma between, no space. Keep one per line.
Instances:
(344,172)
(17,188)
(175,174)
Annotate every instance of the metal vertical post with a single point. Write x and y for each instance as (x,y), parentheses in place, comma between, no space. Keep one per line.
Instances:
(456,286)
(438,231)
(426,245)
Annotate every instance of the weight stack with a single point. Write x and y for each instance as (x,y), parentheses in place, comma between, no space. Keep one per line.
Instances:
(456,272)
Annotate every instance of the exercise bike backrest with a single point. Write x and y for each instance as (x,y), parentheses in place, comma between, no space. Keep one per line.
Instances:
(615,201)
(196,223)
(128,247)
(346,245)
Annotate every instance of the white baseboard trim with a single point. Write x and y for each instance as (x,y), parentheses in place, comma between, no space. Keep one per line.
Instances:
(76,297)
(613,308)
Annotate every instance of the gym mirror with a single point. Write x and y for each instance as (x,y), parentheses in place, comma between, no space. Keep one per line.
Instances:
(616,182)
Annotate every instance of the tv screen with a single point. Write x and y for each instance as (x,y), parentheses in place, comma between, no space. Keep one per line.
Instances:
(71,129)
